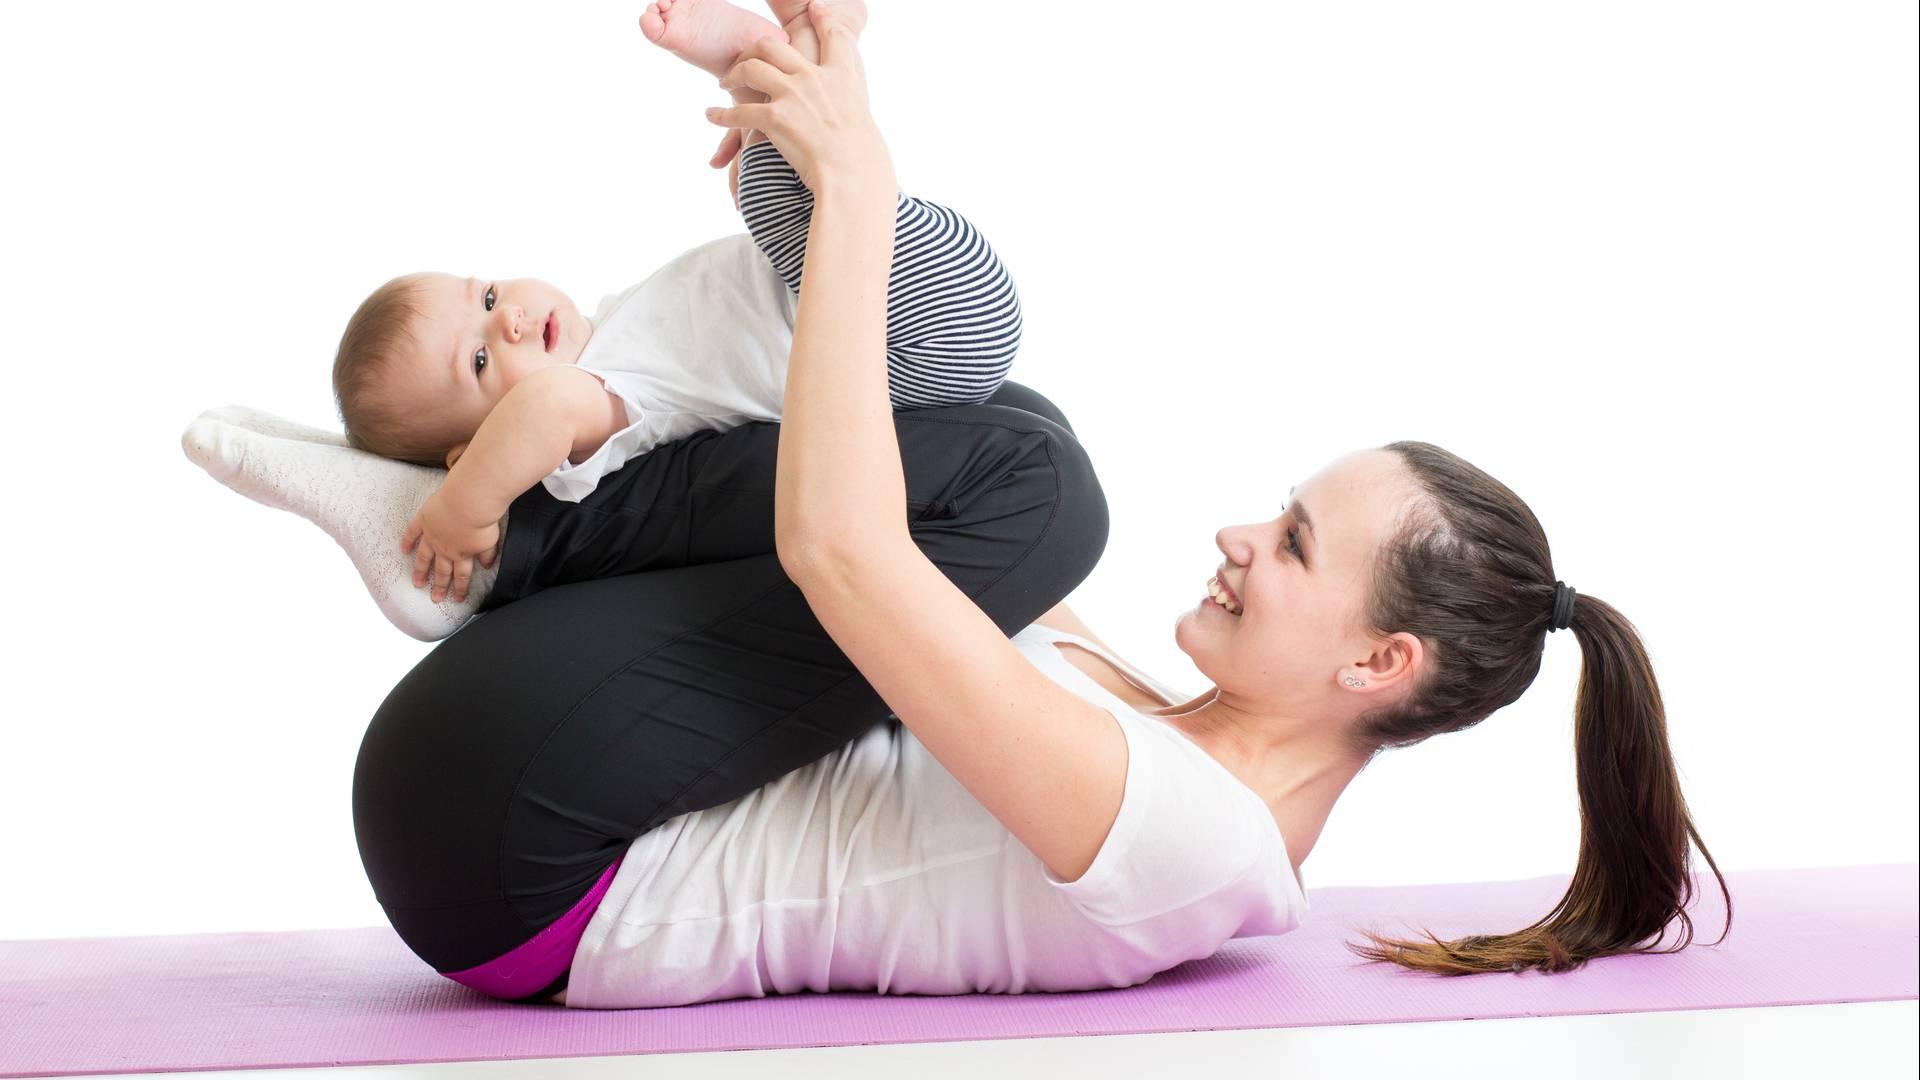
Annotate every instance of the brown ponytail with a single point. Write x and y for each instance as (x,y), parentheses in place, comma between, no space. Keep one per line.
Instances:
(1470,574)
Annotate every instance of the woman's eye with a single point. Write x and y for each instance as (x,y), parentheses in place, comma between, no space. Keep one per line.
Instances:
(1293,541)
(479,359)
(489,298)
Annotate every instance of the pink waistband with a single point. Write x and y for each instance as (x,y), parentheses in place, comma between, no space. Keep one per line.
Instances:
(540,960)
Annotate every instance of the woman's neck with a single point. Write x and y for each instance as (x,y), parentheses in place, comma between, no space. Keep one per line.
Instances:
(1297,769)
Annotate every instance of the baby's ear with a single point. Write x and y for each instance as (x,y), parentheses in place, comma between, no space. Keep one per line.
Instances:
(453,455)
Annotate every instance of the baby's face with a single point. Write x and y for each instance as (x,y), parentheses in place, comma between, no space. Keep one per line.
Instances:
(478,337)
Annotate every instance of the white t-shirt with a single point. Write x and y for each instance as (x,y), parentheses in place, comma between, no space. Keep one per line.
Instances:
(873,869)
(701,344)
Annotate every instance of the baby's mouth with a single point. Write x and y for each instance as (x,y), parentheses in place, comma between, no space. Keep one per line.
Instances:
(549,332)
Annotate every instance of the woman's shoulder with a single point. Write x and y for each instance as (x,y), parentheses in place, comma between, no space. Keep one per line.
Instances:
(1100,663)
(1061,617)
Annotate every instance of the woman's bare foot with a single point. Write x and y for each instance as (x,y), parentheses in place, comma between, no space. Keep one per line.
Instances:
(708,34)
(793,18)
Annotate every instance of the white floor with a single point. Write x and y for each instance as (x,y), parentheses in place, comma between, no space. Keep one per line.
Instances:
(1851,1042)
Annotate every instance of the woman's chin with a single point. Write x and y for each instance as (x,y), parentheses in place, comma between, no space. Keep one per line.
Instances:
(1201,614)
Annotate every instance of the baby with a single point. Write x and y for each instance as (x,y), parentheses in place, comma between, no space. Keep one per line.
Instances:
(508,385)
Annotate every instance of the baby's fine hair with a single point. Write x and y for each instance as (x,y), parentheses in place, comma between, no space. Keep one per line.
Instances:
(374,347)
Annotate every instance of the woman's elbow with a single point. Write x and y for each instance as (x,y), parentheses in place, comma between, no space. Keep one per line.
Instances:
(802,557)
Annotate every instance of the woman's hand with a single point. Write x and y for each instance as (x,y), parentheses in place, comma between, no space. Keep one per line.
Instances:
(817,114)
(728,149)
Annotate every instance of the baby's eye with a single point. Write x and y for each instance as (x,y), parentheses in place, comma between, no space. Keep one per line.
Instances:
(489,298)
(479,359)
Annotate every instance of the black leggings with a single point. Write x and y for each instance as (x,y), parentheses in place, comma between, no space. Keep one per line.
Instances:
(643,655)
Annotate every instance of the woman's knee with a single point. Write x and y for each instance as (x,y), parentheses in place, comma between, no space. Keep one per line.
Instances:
(1076,535)
(1083,519)
(1023,521)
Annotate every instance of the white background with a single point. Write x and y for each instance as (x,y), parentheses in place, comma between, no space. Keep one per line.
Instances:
(1652,264)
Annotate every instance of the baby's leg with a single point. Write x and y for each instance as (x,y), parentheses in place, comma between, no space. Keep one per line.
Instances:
(793,18)
(798,26)
(705,33)
(953,317)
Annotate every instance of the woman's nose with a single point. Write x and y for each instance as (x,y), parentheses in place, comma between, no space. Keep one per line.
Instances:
(1228,539)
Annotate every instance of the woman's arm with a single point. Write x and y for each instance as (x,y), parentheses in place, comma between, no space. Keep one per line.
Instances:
(1048,765)
(836,433)
(836,429)
(1061,617)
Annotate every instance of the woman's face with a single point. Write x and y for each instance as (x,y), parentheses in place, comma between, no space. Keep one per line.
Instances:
(1302,582)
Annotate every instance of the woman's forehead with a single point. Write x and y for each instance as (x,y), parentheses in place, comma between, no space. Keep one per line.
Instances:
(1353,499)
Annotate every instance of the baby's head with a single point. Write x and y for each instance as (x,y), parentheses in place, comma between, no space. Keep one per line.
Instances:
(428,355)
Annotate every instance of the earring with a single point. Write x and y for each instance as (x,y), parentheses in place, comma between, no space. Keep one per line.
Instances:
(1351,681)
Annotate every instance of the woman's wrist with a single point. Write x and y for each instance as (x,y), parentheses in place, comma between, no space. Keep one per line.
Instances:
(849,195)
(871,194)
(867,174)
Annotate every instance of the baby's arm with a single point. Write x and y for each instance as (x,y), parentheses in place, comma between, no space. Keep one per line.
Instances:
(551,415)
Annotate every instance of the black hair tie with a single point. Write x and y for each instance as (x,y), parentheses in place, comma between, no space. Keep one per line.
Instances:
(1562,607)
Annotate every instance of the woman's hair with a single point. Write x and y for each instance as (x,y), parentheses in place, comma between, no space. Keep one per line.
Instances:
(1469,573)
(377,341)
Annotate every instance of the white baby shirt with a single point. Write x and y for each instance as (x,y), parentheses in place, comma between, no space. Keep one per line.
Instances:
(874,869)
(701,344)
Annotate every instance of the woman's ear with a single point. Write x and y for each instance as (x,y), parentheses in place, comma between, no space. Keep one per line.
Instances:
(453,455)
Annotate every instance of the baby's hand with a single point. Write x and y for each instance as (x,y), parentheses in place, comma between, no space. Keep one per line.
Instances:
(447,547)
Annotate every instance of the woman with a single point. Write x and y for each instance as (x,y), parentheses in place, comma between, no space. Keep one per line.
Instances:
(660,776)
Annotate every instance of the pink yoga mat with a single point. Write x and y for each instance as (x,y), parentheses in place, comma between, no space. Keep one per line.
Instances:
(358,997)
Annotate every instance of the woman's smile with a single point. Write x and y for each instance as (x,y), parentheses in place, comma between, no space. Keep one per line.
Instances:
(1210,604)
